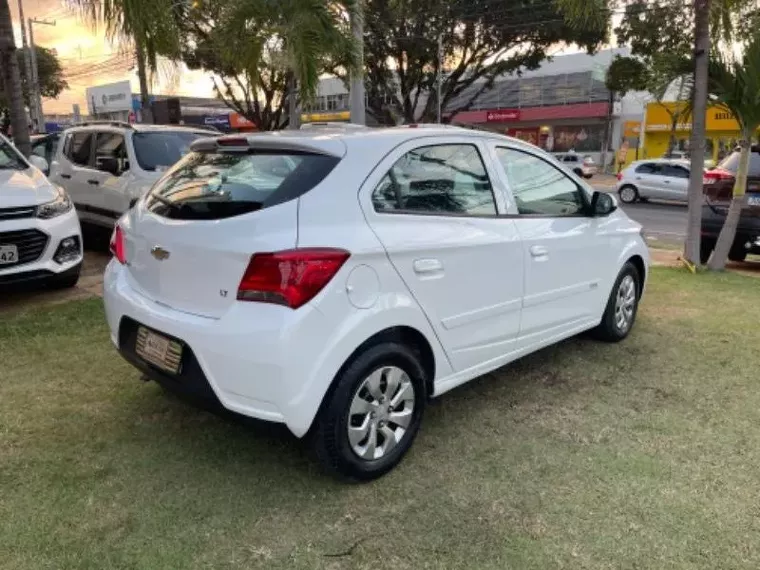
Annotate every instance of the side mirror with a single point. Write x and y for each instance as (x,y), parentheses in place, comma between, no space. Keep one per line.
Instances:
(602,204)
(108,164)
(39,162)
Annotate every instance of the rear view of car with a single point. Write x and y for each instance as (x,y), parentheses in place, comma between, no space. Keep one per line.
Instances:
(40,239)
(718,185)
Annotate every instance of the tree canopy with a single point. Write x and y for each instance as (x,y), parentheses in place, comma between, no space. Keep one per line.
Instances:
(50,72)
(480,39)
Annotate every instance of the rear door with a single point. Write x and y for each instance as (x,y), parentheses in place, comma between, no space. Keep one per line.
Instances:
(190,241)
(73,169)
(435,208)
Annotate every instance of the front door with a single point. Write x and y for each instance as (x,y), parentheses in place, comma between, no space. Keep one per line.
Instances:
(564,255)
(675,179)
(434,209)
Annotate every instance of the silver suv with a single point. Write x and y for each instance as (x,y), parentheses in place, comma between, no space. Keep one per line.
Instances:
(106,166)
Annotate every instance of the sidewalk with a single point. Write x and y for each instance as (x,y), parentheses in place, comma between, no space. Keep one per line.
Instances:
(603,181)
(671,258)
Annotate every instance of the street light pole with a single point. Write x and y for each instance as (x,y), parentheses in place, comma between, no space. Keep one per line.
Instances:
(440,75)
(27,58)
(36,94)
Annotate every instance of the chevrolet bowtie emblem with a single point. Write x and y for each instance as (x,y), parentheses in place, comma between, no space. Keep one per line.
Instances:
(159,253)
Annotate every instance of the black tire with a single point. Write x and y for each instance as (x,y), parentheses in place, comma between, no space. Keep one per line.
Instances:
(738,252)
(578,172)
(330,434)
(625,195)
(706,247)
(608,329)
(66,281)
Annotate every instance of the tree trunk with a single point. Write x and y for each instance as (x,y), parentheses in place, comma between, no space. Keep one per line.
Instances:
(293,118)
(356,93)
(728,231)
(697,143)
(142,76)
(12,81)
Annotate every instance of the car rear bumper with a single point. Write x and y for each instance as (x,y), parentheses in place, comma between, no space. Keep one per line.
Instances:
(44,265)
(260,360)
(748,228)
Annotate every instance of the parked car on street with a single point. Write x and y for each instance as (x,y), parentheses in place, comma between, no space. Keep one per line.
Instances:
(106,166)
(718,186)
(385,267)
(658,178)
(583,166)
(40,239)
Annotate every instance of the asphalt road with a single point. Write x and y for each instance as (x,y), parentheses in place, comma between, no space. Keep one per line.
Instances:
(662,221)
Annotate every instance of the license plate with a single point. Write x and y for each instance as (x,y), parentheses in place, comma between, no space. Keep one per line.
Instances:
(158,350)
(8,254)
(753,199)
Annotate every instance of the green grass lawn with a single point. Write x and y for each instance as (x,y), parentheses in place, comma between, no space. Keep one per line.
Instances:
(644,454)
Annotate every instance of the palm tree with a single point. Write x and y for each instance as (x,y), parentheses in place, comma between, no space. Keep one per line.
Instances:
(150,27)
(733,84)
(12,80)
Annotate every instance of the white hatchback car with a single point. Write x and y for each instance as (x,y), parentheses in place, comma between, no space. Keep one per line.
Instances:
(385,267)
(40,239)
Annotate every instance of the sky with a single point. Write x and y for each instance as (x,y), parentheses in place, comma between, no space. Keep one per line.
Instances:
(89,59)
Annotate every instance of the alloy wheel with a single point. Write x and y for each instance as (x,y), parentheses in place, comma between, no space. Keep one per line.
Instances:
(625,303)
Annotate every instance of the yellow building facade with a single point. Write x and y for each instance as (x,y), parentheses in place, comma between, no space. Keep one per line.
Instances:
(721,137)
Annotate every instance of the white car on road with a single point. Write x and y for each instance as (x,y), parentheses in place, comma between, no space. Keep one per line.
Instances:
(106,166)
(387,266)
(40,239)
(659,178)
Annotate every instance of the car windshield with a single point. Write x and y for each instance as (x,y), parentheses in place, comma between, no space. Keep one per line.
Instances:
(160,150)
(10,159)
(209,185)
(731,162)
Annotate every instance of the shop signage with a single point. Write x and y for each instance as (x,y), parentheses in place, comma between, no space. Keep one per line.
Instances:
(109,98)
(325,117)
(503,115)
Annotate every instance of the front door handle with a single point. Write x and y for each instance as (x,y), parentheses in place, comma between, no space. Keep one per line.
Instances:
(427,266)
(667,181)
(539,251)
(93,182)
(66,176)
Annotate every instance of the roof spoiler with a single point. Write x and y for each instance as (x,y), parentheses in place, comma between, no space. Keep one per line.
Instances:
(271,142)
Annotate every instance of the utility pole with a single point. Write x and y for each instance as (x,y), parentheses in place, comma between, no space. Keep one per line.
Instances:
(440,75)
(27,59)
(35,88)
(356,93)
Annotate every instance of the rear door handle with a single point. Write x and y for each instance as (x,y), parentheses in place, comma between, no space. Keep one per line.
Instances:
(666,181)
(539,251)
(427,266)
(66,176)
(93,182)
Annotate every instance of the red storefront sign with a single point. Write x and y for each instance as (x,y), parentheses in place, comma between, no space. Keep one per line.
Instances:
(503,115)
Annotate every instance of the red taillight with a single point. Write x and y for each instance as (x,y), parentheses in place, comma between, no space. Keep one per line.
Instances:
(619,176)
(232,141)
(118,250)
(715,175)
(290,278)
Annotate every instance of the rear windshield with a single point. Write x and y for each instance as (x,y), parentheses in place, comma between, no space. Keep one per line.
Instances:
(731,162)
(160,150)
(210,185)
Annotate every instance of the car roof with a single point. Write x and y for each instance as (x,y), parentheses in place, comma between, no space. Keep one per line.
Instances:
(138,127)
(375,140)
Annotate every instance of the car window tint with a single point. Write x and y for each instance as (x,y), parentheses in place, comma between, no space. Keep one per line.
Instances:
(646,168)
(731,163)
(674,171)
(110,145)
(441,179)
(538,187)
(40,149)
(79,148)
(570,159)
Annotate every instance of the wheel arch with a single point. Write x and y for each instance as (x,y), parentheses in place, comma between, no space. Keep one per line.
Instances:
(638,262)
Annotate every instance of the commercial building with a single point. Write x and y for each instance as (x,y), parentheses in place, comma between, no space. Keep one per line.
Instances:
(722,130)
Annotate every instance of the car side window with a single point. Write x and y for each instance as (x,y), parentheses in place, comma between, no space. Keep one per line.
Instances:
(40,149)
(646,168)
(538,187)
(570,158)
(79,148)
(110,146)
(674,171)
(438,179)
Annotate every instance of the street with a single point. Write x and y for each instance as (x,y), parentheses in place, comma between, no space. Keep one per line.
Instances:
(662,222)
